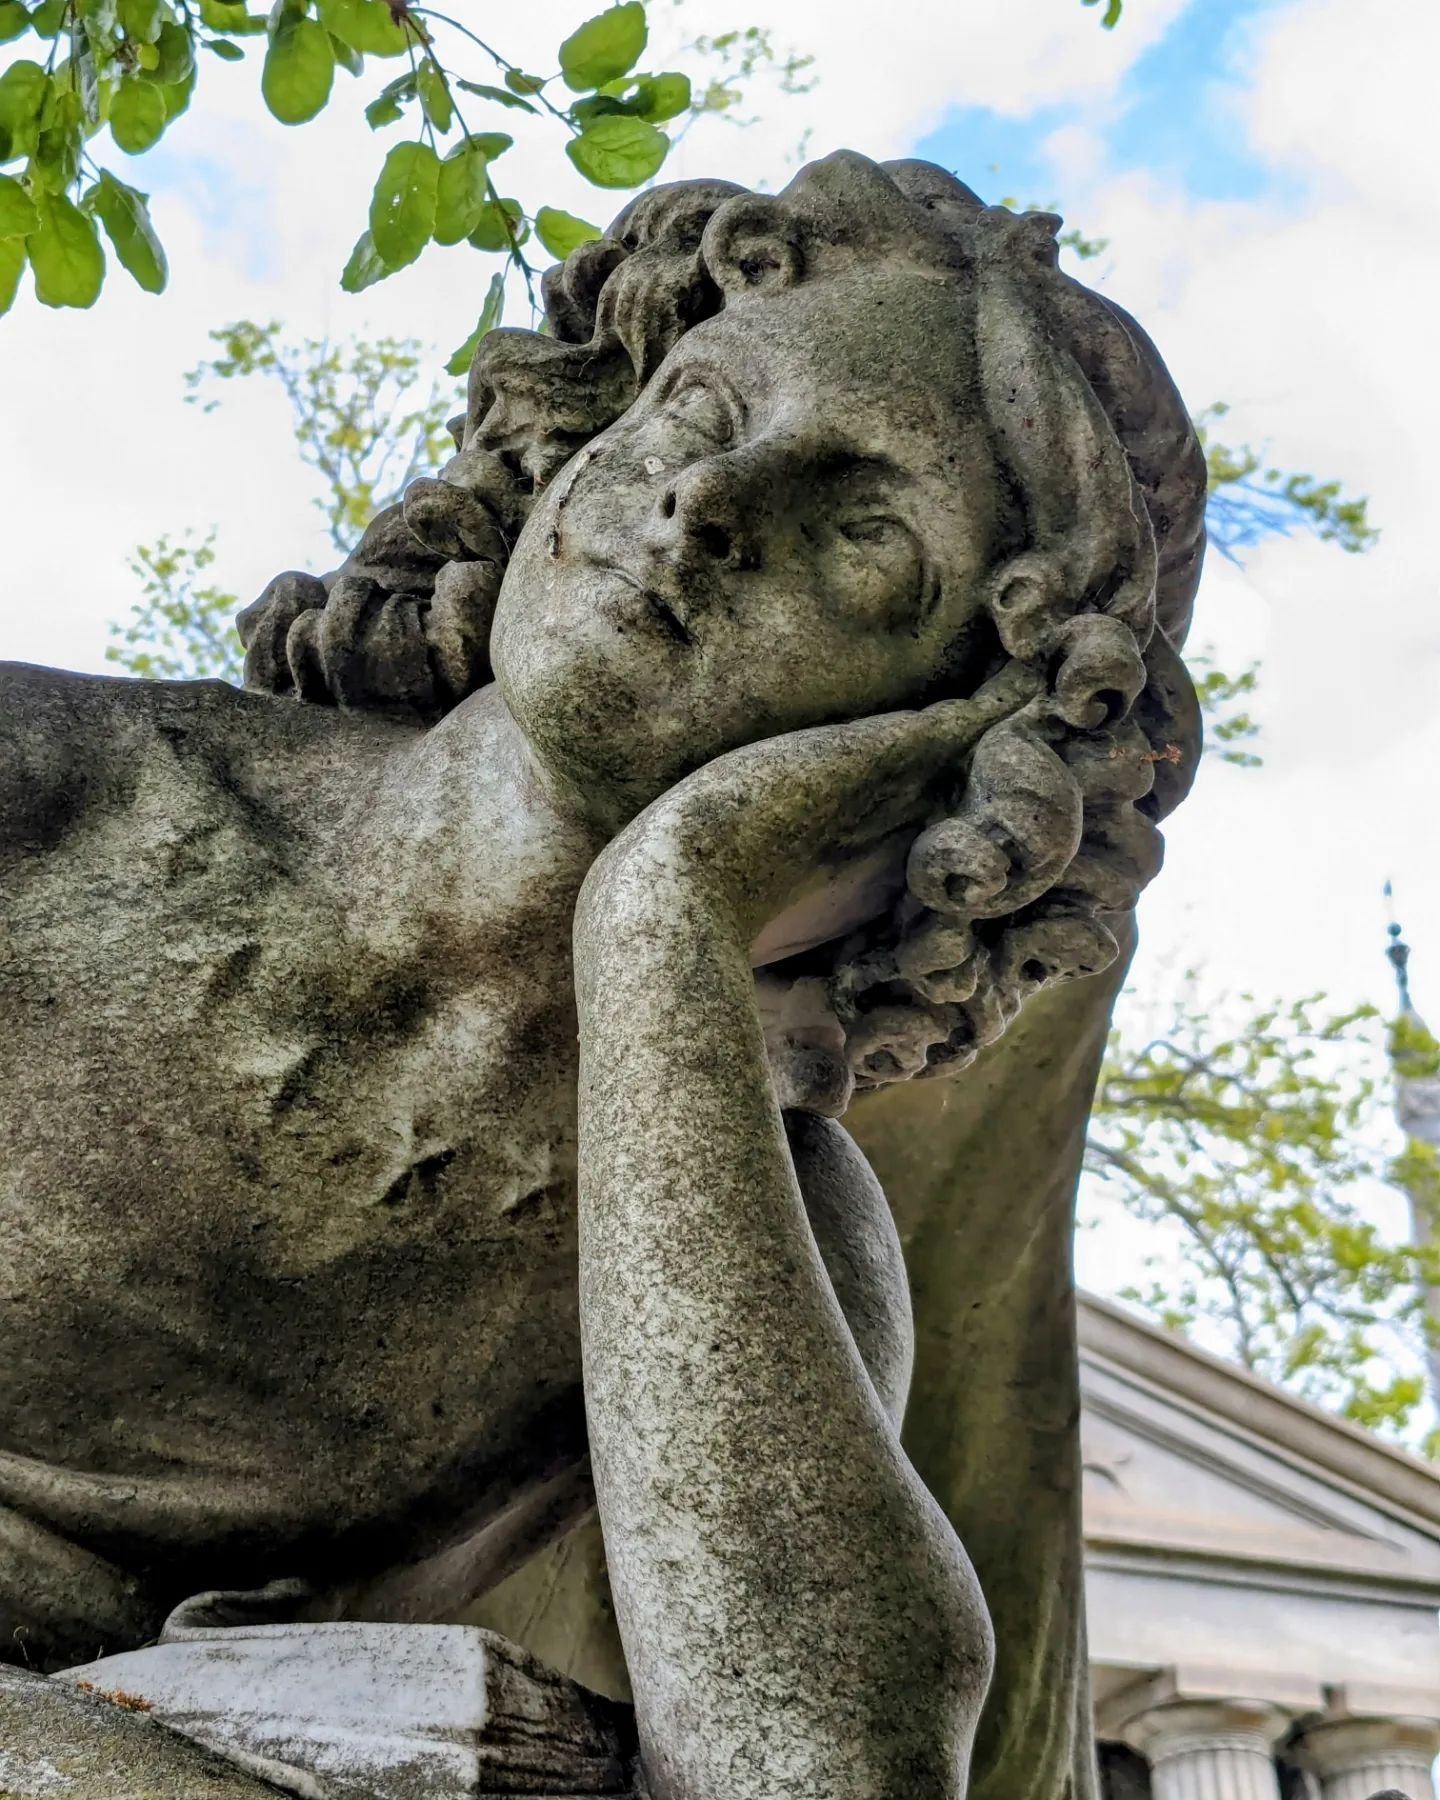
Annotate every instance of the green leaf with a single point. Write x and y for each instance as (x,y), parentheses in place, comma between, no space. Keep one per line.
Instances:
(14,21)
(499,95)
(604,47)
(598,106)
(460,196)
(490,144)
(18,217)
(388,105)
(561,232)
(141,18)
(231,17)
(137,115)
(65,254)
(661,97)
(365,25)
(24,88)
(519,83)
(175,57)
(435,99)
(126,218)
(491,232)
(351,61)
(177,96)
(299,70)
(491,314)
(57,154)
(224,49)
(364,268)
(618,152)
(12,264)
(48,17)
(402,208)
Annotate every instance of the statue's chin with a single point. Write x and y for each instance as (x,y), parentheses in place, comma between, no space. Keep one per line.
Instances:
(597,713)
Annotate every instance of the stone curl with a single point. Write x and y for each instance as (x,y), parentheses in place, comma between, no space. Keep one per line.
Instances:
(1054,830)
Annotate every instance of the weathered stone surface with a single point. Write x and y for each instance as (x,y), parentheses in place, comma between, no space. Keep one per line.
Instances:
(60,1743)
(983,1173)
(831,557)
(376,1712)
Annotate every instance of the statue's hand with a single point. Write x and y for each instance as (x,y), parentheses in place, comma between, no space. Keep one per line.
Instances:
(753,831)
(393,629)
(404,624)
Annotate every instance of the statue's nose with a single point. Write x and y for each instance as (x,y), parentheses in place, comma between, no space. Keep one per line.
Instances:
(710,510)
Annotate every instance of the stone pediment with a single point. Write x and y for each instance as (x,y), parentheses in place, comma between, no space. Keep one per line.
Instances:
(1230,1526)
(1145,1484)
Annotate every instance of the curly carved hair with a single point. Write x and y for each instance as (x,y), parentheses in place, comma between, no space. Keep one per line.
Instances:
(1054,830)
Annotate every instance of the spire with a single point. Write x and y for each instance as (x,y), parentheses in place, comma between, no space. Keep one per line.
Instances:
(1414,1052)
(1415,1059)
(1398,952)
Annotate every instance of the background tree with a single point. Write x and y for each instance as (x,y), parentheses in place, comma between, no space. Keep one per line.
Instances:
(1248,1137)
(367,417)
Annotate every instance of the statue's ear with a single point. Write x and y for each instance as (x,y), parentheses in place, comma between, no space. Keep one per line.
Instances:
(750,247)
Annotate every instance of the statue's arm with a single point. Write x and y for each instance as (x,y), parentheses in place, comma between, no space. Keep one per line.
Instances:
(798,1615)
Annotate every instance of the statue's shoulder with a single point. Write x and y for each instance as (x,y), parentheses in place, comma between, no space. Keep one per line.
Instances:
(36,699)
(70,742)
(42,709)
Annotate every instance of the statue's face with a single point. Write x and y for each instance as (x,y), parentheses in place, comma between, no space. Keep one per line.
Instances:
(791,525)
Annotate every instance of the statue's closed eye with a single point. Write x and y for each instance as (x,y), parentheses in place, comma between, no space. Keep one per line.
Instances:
(703,408)
(878,529)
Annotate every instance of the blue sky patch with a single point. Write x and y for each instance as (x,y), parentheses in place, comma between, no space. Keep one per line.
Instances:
(1170,118)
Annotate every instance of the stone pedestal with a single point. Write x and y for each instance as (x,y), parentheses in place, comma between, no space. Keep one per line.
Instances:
(62,1742)
(1353,1759)
(370,1711)
(1210,1749)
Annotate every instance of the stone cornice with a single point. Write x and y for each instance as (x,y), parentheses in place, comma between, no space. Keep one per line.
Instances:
(1387,1478)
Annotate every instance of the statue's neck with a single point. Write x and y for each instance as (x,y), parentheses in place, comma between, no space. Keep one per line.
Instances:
(480,813)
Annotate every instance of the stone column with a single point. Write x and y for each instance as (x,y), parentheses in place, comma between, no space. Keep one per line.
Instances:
(1210,1749)
(1353,1759)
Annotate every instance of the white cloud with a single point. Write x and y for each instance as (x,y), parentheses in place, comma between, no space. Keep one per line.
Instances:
(1314,321)
(1344,98)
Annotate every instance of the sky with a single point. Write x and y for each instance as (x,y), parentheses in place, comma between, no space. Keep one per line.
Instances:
(1263,173)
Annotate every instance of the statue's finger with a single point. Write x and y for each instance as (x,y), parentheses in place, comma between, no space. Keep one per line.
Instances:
(452,522)
(265,624)
(373,649)
(458,627)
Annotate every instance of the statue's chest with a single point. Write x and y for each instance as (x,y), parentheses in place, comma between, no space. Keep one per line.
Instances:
(291,1163)
(313,1050)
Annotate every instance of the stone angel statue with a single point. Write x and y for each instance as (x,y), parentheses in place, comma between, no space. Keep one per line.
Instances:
(423,1069)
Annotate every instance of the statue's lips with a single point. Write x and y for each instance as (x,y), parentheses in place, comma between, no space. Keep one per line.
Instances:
(657,610)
